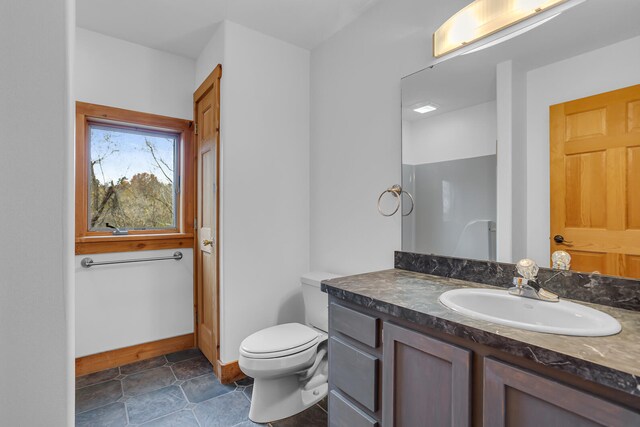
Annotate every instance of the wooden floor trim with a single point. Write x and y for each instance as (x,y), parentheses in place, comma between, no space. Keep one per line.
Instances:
(122,356)
(228,372)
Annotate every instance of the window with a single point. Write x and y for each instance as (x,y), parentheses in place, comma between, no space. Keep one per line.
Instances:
(132,179)
(133,191)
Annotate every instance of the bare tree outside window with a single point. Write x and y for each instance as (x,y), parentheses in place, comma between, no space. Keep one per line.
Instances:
(132,178)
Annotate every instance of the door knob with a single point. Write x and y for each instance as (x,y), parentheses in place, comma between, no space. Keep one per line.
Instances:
(207,242)
(559,239)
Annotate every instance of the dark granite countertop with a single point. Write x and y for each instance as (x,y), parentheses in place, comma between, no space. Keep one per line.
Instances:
(611,361)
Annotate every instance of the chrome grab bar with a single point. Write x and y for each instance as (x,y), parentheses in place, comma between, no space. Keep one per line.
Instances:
(88,262)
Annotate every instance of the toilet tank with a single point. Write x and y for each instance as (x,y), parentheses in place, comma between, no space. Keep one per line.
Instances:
(316,302)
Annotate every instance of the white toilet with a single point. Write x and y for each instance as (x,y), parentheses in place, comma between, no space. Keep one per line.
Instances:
(289,362)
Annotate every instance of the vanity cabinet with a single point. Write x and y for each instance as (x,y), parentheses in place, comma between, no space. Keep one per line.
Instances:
(388,372)
(424,379)
(516,397)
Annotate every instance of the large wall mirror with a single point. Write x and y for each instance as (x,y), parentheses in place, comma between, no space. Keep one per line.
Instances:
(531,145)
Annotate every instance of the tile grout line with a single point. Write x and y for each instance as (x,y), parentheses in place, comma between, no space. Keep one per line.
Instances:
(126,412)
(142,370)
(123,396)
(106,404)
(216,397)
(101,382)
(120,381)
(120,377)
(323,410)
(126,408)
(170,413)
(193,378)
(120,372)
(157,418)
(196,417)
(245,396)
(188,401)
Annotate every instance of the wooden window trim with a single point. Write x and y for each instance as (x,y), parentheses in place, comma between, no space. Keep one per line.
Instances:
(137,240)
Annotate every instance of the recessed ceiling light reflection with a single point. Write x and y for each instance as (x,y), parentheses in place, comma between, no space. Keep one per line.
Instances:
(426,108)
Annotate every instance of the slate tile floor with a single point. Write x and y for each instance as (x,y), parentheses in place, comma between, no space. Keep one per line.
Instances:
(176,390)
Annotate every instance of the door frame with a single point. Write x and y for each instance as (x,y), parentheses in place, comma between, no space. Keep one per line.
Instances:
(213,80)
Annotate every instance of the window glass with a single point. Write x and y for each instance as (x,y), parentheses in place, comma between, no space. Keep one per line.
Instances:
(132,178)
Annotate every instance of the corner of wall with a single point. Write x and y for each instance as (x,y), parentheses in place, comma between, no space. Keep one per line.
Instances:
(69,213)
(263,148)
(212,54)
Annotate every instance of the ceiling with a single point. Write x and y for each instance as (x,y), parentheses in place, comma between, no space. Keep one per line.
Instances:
(183,27)
(471,79)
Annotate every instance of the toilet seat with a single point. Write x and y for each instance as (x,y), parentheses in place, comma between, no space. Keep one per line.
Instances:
(289,362)
(279,341)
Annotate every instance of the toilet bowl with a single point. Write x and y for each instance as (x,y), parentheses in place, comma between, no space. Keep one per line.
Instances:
(288,362)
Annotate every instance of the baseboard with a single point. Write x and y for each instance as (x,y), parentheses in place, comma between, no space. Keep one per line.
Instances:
(122,356)
(228,372)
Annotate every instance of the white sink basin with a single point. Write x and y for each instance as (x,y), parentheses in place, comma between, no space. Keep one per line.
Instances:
(563,317)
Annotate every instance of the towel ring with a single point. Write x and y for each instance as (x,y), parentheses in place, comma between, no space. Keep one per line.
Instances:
(397,192)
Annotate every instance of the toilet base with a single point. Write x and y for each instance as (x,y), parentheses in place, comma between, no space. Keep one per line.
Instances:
(277,398)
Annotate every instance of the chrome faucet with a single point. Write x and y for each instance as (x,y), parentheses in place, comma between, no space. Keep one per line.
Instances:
(527,285)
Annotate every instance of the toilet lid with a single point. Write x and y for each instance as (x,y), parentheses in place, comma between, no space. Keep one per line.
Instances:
(283,339)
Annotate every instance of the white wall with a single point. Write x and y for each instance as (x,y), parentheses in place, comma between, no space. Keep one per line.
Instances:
(118,73)
(505,91)
(563,81)
(265,180)
(212,55)
(36,284)
(153,300)
(519,167)
(441,138)
(355,130)
(123,305)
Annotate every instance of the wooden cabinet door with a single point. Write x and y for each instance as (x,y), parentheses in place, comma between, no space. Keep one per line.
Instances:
(519,398)
(595,181)
(426,382)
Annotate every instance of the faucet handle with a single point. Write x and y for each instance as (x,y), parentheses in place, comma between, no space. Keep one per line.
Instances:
(561,260)
(527,268)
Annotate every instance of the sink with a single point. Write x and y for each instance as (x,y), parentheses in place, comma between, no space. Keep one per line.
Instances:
(563,317)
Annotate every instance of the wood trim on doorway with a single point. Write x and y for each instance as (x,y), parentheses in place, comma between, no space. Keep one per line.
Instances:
(225,373)
(228,372)
(123,356)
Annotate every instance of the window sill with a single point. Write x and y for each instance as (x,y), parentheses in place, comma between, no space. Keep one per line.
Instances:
(132,243)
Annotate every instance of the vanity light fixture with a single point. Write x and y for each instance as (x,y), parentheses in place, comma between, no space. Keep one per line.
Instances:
(485,23)
(426,108)
(510,35)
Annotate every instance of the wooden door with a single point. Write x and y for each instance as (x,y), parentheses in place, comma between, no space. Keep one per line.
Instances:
(207,114)
(595,181)
(515,397)
(426,382)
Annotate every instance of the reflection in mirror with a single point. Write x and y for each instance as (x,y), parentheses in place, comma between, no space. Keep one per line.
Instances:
(449,160)
(531,146)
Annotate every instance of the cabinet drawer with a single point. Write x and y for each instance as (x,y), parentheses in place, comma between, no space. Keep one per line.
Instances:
(354,372)
(343,413)
(356,325)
